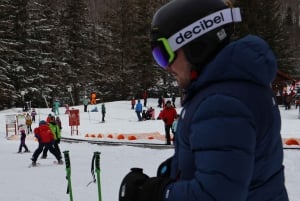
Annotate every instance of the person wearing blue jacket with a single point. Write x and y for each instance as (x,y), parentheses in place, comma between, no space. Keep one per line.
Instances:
(139,109)
(228,145)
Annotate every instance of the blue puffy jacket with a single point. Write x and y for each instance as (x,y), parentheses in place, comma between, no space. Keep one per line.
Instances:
(139,107)
(228,143)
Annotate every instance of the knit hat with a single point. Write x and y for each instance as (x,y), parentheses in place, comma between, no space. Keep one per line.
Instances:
(43,122)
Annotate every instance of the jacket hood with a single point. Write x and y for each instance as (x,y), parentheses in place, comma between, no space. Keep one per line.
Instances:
(249,59)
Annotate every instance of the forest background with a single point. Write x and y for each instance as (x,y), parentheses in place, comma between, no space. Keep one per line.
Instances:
(66,49)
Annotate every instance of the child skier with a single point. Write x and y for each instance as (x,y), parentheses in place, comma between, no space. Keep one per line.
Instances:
(22,142)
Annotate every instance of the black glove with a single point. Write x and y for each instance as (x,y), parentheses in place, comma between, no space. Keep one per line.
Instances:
(132,185)
(136,186)
(164,169)
(153,189)
(57,141)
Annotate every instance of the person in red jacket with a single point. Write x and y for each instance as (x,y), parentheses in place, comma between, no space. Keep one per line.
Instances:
(132,103)
(45,139)
(168,114)
(48,118)
(145,97)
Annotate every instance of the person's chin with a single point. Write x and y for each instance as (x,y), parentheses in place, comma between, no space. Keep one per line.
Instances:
(182,84)
(175,75)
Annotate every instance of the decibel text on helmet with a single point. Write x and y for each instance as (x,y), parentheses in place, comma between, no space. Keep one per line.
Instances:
(203,26)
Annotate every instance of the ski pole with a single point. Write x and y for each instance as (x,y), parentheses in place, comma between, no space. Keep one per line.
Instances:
(68,177)
(97,164)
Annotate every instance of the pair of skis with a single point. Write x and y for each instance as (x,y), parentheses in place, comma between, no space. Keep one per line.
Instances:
(95,163)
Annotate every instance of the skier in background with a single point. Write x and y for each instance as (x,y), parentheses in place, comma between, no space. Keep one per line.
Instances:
(145,97)
(139,109)
(85,103)
(132,103)
(58,122)
(103,111)
(22,142)
(28,122)
(33,114)
(56,106)
(93,98)
(168,115)
(55,130)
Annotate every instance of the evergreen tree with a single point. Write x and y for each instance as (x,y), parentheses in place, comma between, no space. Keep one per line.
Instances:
(263,18)
(48,46)
(128,24)
(78,49)
(41,47)
(13,57)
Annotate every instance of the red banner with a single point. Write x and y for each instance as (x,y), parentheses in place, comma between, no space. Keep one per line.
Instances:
(74,118)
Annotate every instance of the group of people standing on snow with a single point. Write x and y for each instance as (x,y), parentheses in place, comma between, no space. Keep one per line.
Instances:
(48,135)
(87,101)
(168,114)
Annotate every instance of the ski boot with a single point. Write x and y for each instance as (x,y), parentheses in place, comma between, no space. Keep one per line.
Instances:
(33,164)
(60,162)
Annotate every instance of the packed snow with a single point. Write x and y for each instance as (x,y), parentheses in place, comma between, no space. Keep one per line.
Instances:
(48,182)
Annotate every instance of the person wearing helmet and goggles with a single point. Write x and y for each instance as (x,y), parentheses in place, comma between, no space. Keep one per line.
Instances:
(228,144)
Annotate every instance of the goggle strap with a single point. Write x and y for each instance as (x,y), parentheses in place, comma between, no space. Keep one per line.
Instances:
(203,26)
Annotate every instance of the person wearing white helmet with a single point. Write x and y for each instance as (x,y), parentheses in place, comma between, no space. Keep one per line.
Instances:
(228,145)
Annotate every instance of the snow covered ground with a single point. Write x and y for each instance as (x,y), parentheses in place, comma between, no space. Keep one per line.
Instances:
(48,181)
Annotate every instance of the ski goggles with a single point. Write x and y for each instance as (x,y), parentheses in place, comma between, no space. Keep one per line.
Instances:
(163,53)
